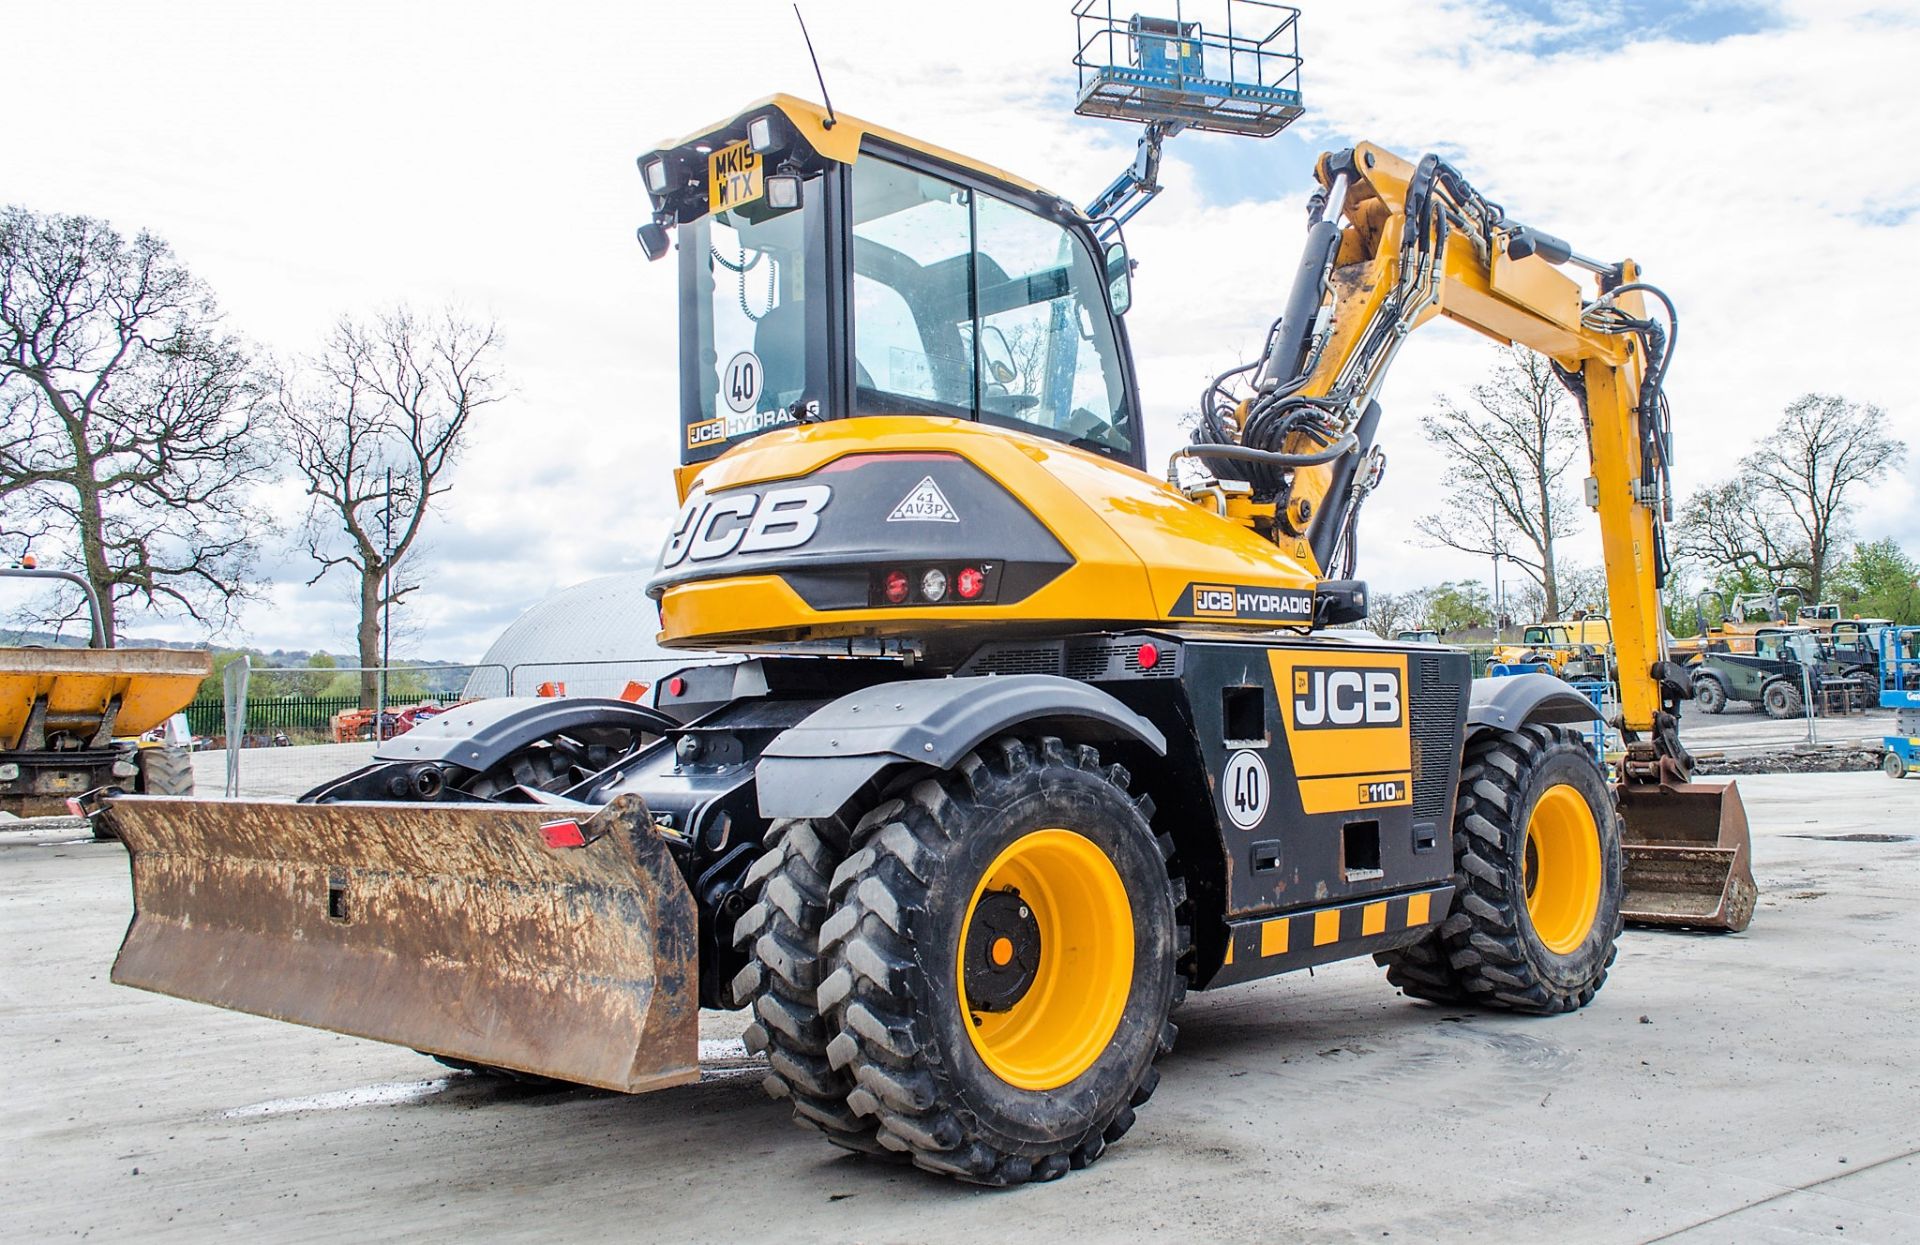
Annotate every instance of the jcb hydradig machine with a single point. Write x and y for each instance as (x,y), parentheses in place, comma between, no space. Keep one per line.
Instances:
(1027,741)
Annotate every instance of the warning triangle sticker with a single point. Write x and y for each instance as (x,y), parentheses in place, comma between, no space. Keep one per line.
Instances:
(925,504)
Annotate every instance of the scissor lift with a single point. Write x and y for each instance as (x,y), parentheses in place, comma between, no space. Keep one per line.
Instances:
(1900,691)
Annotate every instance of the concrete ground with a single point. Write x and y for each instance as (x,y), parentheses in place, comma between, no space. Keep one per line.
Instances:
(1745,729)
(1757,1087)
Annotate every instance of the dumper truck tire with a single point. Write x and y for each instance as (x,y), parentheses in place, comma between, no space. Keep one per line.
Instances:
(1782,700)
(779,931)
(1708,695)
(1536,909)
(1002,958)
(165,770)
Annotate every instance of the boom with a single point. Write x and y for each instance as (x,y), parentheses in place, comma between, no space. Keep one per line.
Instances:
(1391,245)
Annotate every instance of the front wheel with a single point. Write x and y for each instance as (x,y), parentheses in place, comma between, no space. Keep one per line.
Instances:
(1538,884)
(1001,961)
(1893,766)
(1709,696)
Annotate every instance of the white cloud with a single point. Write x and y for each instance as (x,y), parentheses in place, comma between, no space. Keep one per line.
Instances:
(313,160)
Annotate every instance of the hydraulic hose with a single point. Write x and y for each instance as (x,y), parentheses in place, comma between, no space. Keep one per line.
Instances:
(1270,458)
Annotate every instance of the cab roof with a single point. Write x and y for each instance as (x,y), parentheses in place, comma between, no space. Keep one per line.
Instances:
(838,138)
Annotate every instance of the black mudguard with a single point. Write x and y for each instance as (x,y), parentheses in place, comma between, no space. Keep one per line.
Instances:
(1512,701)
(814,768)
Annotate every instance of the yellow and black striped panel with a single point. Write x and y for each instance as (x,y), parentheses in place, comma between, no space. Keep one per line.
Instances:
(1264,946)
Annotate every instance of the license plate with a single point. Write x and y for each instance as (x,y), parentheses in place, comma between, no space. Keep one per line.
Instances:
(734,177)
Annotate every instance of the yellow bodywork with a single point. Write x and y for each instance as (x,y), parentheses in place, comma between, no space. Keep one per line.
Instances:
(1137,543)
(839,138)
(151,684)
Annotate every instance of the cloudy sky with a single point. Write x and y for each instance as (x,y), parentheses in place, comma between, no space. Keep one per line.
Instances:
(308,159)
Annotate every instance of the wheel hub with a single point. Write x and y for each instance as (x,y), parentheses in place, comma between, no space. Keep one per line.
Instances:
(1002,954)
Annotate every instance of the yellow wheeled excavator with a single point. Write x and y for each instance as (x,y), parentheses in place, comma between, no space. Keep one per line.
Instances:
(1029,737)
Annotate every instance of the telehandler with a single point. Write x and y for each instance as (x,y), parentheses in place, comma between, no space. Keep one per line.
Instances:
(1030,740)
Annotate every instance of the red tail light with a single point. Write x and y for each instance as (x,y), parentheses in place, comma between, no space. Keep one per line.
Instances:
(896,587)
(969,583)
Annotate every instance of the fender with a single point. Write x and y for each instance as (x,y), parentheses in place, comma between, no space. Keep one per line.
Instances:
(480,735)
(814,768)
(1512,701)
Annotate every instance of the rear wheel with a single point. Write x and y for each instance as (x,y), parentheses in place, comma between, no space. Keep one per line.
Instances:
(1709,696)
(1001,962)
(1782,700)
(165,770)
(780,934)
(1893,766)
(1536,907)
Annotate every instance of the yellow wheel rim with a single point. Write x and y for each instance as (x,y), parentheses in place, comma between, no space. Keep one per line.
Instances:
(1562,868)
(1071,927)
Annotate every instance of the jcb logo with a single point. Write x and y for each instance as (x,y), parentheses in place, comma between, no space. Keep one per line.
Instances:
(710,528)
(1215,600)
(1325,696)
(706,432)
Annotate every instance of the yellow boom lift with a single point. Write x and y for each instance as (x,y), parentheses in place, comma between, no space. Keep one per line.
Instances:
(1028,739)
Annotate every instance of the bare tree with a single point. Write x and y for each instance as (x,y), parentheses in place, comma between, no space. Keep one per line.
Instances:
(1783,516)
(378,418)
(133,426)
(1507,461)
(1389,612)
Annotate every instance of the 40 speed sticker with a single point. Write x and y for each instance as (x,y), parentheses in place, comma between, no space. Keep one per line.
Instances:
(1244,788)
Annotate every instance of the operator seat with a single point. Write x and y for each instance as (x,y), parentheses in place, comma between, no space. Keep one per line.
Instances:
(780,339)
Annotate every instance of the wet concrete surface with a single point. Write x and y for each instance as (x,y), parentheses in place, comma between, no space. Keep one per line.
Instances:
(1755,1087)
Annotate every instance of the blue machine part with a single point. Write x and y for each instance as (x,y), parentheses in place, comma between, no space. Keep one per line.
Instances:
(1164,46)
(1900,691)
(1234,70)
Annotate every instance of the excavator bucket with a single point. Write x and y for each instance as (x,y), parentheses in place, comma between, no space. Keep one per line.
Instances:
(517,937)
(1688,856)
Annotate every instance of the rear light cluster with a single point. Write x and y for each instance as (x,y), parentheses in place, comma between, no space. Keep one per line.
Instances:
(966,583)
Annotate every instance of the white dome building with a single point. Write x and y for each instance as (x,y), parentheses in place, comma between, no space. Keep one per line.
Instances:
(593,637)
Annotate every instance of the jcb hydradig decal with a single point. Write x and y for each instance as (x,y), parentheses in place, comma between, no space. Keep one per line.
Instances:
(1249,602)
(1347,728)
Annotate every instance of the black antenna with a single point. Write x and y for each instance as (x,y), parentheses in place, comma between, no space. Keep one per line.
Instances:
(822,78)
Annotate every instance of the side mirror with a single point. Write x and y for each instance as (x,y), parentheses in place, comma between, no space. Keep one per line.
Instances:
(996,355)
(1119,277)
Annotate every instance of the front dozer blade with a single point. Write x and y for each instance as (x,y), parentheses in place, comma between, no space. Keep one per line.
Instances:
(455,929)
(1688,856)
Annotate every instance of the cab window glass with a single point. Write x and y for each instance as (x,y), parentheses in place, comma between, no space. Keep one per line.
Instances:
(971,306)
(1048,360)
(749,321)
(912,291)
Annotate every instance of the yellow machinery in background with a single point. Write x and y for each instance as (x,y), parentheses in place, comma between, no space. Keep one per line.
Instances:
(70,718)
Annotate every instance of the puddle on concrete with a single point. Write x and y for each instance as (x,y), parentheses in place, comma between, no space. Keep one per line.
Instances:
(1854,838)
(720,1059)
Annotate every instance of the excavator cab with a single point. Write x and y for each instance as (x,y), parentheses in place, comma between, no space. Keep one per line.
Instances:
(821,280)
